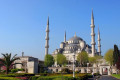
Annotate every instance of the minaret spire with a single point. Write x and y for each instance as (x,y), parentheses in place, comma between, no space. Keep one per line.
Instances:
(75,34)
(65,37)
(92,18)
(92,34)
(99,44)
(47,38)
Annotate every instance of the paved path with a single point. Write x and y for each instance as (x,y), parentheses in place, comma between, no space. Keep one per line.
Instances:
(104,78)
(107,78)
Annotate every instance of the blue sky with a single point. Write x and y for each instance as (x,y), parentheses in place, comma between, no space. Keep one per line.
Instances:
(23,24)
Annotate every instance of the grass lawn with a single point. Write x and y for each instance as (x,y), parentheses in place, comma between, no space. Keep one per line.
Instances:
(116,76)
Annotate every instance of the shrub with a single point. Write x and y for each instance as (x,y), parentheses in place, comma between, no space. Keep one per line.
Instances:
(8,78)
(96,74)
(60,77)
(66,70)
(14,70)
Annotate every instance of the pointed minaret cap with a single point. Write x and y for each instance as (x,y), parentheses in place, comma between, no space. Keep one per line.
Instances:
(98,30)
(75,34)
(92,18)
(48,21)
(65,37)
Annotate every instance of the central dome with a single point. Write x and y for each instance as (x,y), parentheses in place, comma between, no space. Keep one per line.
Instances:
(75,38)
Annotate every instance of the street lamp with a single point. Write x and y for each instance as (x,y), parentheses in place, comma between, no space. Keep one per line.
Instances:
(73,64)
(87,67)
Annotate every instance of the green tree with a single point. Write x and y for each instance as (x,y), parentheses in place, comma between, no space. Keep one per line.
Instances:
(82,58)
(8,61)
(61,59)
(116,54)
(92,60)
(109,56)
(49,60)
(95,59)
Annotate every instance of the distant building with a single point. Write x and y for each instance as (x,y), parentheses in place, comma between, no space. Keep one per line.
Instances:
(28,63)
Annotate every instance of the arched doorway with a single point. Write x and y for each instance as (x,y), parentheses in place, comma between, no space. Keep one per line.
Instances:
(105,71)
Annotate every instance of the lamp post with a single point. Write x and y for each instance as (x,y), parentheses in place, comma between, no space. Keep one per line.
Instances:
(87,67)
(73,64)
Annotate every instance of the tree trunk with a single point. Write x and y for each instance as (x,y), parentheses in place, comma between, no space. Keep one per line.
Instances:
(7,70)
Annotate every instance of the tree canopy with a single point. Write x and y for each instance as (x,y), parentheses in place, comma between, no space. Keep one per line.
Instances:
(61,59)
(82,58)
(92,60)
(109,56)
(49,60)
(95,59)
(8,61)
(116,54)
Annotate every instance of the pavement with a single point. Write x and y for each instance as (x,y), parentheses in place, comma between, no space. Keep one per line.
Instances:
(104,78)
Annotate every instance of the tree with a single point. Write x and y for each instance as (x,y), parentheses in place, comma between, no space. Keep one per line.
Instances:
(92,60)
(95,59)
(8,61)
(116,55)
(61,59)
(49,60)
(109,56)
(82,58)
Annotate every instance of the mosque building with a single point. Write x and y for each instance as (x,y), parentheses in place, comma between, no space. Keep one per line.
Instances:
(75,45)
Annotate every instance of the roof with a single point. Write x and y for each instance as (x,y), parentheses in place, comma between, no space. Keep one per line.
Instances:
(75,38)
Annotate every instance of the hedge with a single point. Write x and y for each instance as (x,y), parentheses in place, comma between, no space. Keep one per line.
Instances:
(9,78)
(16,75)
(54,78)
(59,77)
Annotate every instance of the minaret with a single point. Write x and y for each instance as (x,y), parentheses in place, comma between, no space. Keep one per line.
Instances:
(65,37)
(99,44)
(92,35)
(47,38)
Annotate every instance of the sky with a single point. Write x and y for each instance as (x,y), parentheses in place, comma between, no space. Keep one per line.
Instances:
(23,24)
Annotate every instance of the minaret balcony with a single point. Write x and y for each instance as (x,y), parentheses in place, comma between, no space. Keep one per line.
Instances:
(46,38)
(47,30)
(93,43)
(92,26)
(99,45)
(92,34)
(47,46)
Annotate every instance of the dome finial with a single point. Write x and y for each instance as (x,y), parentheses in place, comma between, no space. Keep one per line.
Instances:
(75,34)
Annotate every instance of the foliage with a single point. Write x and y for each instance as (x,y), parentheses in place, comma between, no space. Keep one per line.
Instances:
(94,59)
(116,54)
(49,60)
(16,75)
(16,70)
(9,78)
(116,76)
(109,56)
(118,63)
(8,60)
(61,59)
(66,70)
(116,57)
(82,58)
(59,77)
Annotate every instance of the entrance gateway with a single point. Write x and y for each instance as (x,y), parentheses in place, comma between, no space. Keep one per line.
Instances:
(105,70)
